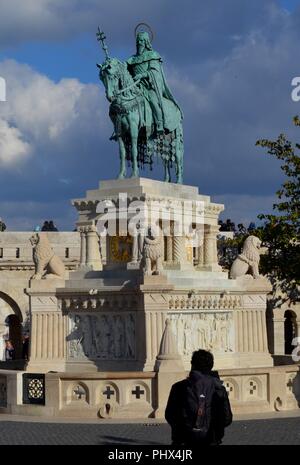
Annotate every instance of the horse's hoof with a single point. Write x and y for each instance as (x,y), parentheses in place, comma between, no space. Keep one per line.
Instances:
(122,176)
(135,175)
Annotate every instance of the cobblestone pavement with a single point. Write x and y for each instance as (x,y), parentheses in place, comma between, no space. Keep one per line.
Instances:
(251,432)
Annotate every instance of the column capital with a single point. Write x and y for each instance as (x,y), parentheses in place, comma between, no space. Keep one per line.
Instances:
(212,229)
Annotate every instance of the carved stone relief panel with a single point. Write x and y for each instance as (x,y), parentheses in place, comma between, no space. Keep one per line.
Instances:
(203,330)
(105,336)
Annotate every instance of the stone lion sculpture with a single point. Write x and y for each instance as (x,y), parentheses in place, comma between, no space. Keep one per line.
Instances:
(152,253)
(247,262)
(47,264)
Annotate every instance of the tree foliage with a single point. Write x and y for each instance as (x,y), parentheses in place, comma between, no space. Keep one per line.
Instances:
(281,229)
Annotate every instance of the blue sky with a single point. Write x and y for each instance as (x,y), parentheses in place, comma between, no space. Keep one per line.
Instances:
(290,5)
(228,62)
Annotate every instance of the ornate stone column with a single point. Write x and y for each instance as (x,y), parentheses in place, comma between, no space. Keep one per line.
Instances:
(169,249)
(199,248)
(179,249)
(279,342)
(83,252)
(93,257)
(168,243)
(210,248)
(179,254)
(200,255)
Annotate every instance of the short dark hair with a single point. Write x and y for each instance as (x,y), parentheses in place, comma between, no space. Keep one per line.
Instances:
(202,360)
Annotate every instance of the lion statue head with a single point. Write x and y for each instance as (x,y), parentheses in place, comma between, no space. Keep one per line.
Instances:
(251,248)
(42,249)
(34,239)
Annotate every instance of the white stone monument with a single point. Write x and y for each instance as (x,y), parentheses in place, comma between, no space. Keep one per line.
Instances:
(113,335)
(118,331)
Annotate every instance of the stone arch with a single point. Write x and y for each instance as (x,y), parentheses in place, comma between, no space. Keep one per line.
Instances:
(232,388)
(290,330)
(107,392)
(254,388)
(78,392)
(13,304)
(141,389)
(11,320)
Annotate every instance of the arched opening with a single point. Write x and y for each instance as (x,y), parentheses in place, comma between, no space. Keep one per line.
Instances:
(290,331)
(10,325)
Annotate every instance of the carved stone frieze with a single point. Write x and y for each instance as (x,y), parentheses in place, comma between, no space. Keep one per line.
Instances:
(199,302)
(209,330)
(94,301)
(106,336)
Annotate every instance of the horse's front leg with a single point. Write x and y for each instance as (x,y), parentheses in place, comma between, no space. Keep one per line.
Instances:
(167,173)
(134,151)
(122,152)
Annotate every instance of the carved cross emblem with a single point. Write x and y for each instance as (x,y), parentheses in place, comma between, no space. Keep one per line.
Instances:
(138,392)
(109,392)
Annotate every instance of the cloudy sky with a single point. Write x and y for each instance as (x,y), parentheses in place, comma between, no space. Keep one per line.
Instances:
(229,63)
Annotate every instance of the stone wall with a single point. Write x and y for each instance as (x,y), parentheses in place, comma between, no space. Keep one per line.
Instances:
(142,395)
(17,266)
(16,250)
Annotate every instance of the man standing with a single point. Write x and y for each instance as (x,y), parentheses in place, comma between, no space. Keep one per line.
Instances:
(145,67)
(198,409)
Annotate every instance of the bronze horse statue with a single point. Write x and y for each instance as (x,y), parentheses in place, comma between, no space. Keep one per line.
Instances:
(134,128)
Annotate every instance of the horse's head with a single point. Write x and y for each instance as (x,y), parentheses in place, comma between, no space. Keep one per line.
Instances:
(110,73)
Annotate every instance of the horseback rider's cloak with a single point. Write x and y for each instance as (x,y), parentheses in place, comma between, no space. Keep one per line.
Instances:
(149,65)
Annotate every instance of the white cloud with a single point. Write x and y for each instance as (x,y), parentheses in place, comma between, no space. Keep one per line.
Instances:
(12,146)
(45,113)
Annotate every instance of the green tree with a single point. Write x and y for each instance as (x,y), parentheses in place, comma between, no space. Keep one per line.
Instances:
(281,229)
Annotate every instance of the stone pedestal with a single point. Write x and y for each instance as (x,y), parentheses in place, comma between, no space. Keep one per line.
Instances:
(49,327)
(112,317)
(119,338)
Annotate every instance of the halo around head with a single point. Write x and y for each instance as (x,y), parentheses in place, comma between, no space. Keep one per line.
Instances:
(144,27)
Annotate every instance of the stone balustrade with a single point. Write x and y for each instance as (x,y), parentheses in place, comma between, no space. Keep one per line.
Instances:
(16,250)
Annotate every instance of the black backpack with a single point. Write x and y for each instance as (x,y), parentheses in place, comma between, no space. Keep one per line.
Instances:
(197,408)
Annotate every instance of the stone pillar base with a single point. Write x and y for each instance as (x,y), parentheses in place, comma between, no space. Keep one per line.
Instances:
(165,380)
(133,266)
(42,366)
(212,267)
(184,266)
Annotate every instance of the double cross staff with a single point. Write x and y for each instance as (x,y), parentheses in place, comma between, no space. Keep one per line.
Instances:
(101,38)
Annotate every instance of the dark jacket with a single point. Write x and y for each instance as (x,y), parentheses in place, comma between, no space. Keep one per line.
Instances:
(177,406)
